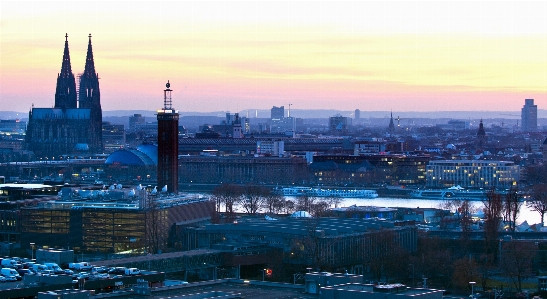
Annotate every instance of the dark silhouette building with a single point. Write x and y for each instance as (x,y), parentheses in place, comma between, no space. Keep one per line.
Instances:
(481,137)
(391,127)
(67,129)
(529,116)
(168,145)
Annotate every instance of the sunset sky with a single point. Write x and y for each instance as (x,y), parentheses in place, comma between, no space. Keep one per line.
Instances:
(232,56)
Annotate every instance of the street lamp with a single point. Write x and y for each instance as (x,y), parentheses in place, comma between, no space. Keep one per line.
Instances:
(263,274)
(31,251)
(472,283)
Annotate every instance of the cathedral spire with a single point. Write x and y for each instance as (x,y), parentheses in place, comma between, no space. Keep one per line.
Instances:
(89,70)
(65,94)
(89,97)
(66,68)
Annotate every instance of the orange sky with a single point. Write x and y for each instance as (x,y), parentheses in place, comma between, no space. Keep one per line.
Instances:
(401,56)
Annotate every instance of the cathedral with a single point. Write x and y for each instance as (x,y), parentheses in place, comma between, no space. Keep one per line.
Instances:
(74,125)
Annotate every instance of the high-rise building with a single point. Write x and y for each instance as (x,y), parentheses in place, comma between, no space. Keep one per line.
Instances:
(168,143)
(529,116)
(67,129)
(278,112)
(357,114)
(136,119)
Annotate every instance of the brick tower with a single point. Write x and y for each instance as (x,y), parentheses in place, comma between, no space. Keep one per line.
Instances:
(168,143)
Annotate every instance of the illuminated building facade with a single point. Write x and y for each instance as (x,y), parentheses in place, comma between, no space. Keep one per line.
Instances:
(472,174)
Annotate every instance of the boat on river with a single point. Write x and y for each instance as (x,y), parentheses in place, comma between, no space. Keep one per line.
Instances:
(452,193)
(328,192)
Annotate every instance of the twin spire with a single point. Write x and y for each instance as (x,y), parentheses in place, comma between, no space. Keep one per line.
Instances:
(66,69)
(65,94)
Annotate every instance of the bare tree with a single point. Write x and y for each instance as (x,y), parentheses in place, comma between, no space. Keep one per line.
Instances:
(229,195)
(465,211)
(155,225)
(273,203)
(465,270)
(517,261)
(538,200)
(254,196)
(511,208)
(305,203)
(493,208)
(388,255)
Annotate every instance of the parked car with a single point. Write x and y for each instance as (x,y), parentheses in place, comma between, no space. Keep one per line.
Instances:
(10,272)
(132,271)
(2,279)
(10,278)
(68,272)
(24,272)
(117,270)
(100,269)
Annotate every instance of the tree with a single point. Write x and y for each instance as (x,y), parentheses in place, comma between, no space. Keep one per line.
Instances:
(517,261)
(156,228)
(227,195)
(465,211)
(465,270)
(254,196)
(319,207)
(538,200)
(387,256)
(305,203)
(511,208)
(273,203)
(493,207)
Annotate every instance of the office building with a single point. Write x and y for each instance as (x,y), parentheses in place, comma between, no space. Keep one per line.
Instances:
(136,119)
(472,174)
(529,116)
(109,223)
(277,112)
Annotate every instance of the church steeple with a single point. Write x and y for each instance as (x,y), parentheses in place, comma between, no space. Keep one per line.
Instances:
(481,137)
(89,70)
(391,127)
(65,93)
(90,96)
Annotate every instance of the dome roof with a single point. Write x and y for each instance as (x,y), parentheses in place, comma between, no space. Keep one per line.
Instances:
(150,150)
(144,155)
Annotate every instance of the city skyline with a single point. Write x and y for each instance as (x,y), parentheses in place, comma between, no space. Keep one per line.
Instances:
(377,56)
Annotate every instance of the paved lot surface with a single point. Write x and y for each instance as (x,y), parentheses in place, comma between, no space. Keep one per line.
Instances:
(10,285)
(246,291)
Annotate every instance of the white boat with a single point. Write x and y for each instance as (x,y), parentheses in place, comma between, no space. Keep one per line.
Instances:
(455,192)
(326,192)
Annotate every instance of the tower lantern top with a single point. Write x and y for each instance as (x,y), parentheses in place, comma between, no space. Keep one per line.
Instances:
(167,102)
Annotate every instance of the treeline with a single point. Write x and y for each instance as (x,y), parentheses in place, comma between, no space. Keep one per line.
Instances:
(252,199)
